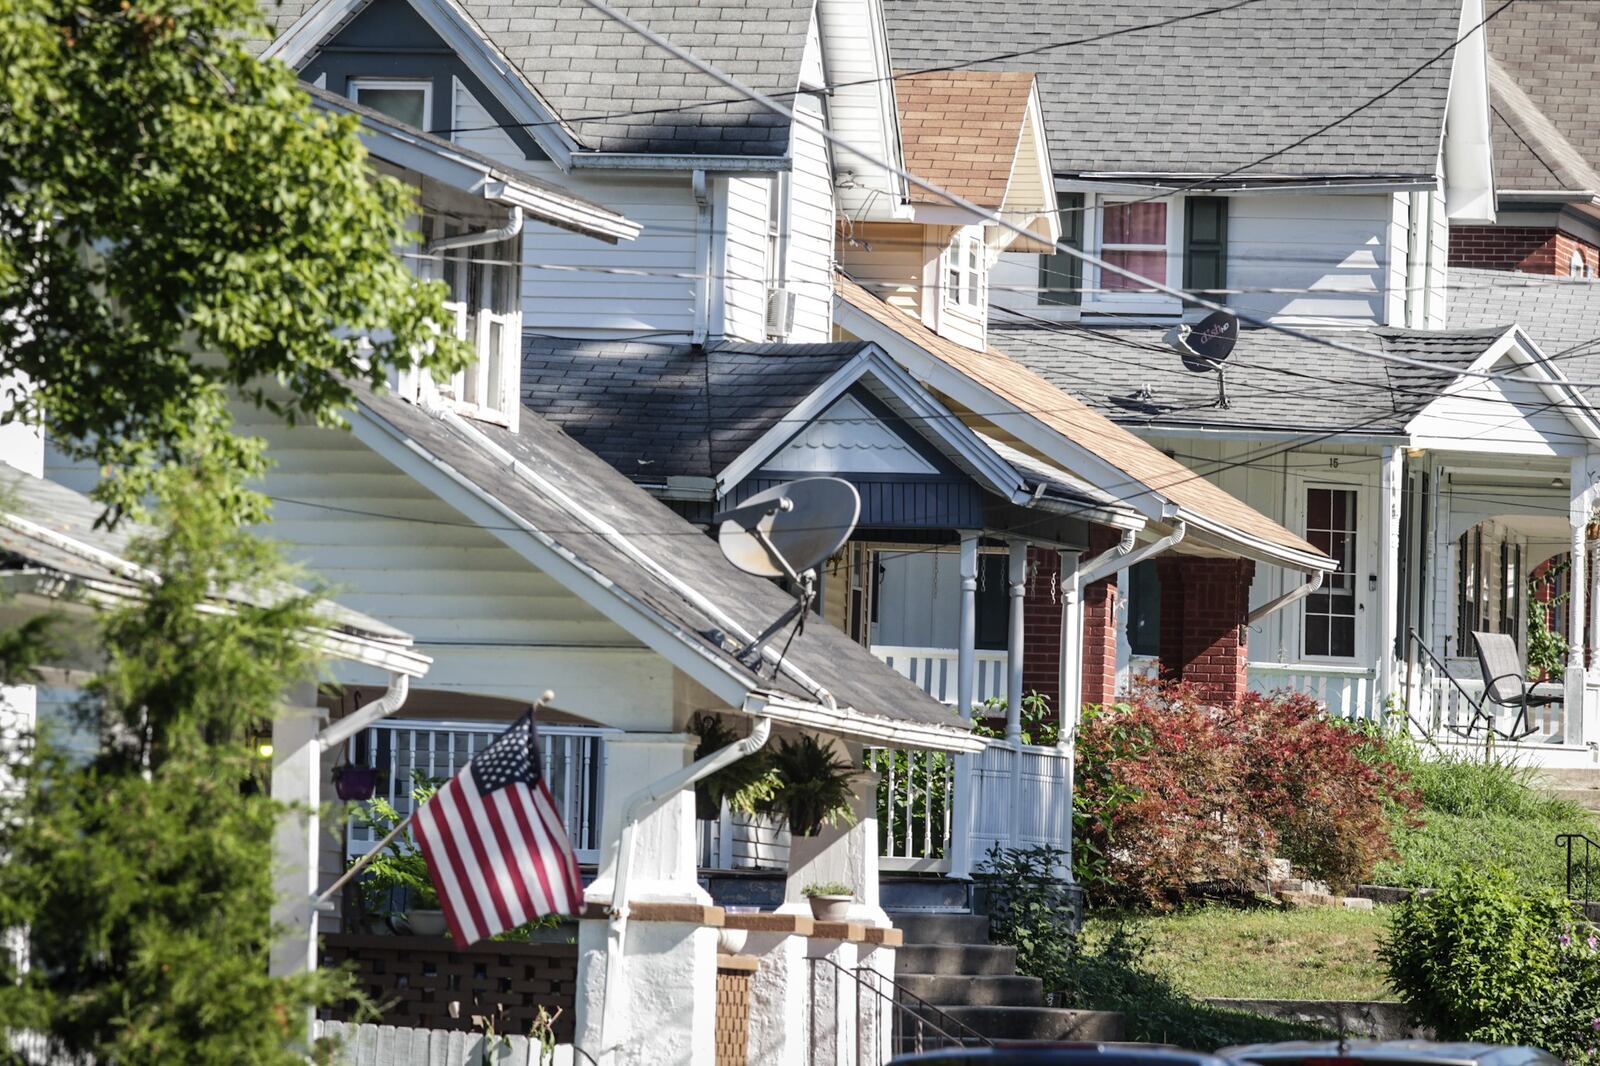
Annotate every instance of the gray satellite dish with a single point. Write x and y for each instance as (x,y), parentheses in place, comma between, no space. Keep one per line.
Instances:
(1205,347)
(787,531)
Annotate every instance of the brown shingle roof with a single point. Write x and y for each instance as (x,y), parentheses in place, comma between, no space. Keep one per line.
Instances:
(1025,390)
(960,129)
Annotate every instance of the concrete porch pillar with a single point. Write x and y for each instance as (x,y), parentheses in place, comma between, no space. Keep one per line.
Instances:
(296,780)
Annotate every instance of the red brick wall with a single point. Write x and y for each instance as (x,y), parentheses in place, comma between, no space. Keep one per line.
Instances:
(1041,626)
(1531,249)
(1100,641)
(1203,608)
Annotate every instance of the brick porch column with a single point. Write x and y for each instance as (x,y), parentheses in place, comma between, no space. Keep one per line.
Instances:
(1041,625)
(1100,626)
(1203,608)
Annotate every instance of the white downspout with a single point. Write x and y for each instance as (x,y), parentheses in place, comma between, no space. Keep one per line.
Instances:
(636,808)
(1299,592)
(703,242)
(512,227)
(1120,558)
(382,707)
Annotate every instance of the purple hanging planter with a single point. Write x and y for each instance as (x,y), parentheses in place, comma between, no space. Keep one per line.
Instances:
(355,782)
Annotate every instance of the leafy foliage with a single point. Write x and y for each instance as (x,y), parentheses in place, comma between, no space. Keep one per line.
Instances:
(401,866)
(177,221)
(1174,793)
(813,787)
(144,875)
(1547,649)
(827,888)
(743,784)
(1479,960)
(1031,908)
(1039,724)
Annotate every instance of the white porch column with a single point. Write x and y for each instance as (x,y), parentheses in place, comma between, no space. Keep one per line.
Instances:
(961,800)
(666,985)
(1391,490)
(1581,502)
(1070,683)
(1017,580)
(296,779)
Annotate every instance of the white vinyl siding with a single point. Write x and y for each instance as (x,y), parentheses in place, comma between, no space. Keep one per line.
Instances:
(899,266)
(1336,245)
(473,128)
(811,229)
(745,268)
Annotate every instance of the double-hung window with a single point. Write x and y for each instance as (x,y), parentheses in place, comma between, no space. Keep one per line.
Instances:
(963,272)
(407,100)
(483,301)
(1133,235)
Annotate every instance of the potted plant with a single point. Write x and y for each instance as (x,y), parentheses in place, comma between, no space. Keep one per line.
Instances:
(743,784)
(355,782)
(812,787)
(830,901)
(401,866)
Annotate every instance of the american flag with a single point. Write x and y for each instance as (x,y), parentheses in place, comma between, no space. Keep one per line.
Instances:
(495,844)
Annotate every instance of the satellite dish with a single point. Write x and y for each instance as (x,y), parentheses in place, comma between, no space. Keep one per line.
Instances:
(1206,345)
(788,529)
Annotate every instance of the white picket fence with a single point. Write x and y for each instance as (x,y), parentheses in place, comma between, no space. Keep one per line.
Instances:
(934,670)
(389,1045)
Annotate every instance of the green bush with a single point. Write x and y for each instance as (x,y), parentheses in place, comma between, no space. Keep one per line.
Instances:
(1030,909)
(1478,959)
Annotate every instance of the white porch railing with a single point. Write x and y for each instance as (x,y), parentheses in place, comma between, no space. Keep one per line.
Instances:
(1444,711)
(739,842)
(1347,691)
(1019,796)
(573,764)
(934,670)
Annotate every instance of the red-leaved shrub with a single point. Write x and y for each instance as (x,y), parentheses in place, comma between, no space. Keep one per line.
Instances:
(1174,793)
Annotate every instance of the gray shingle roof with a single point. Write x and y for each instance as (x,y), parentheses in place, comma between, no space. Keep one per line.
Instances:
(595,73)
(1562,317)
(1548,50)
(1214,92)
(863,686)
(1274,381)
(642,406)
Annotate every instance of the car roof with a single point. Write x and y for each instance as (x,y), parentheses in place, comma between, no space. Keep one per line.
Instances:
(1067,1051)
(1422,1051)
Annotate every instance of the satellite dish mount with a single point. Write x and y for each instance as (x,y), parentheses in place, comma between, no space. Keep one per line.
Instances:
(1205,348)
(788,531)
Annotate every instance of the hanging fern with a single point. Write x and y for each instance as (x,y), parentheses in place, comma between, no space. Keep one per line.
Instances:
(744,785)
(814,787)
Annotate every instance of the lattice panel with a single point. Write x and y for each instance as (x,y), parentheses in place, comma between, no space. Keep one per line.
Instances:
(733,1014)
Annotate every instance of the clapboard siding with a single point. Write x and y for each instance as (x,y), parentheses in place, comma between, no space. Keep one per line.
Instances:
(1398,300)
(895,266)
(744,269)
(811,226)
(591,301)
(1438,258)
(861,105)
(472,127)
(1337,245)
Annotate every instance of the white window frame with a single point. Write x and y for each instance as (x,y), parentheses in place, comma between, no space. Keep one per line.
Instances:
(1360,563)
(1578,265)
(1148,303)
(963,272)
(355,85)
(473,391)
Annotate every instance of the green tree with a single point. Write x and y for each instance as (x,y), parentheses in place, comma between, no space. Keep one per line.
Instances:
(143,875)
(178,225)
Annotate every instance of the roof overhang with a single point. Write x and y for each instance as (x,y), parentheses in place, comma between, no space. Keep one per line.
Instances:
(877,731)
(936,422)
(1466,153)
(412,150)
(666,161)
(1030,200)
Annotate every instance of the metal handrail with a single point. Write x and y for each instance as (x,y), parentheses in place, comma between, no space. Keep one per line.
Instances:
(964,1036)
(1590,846)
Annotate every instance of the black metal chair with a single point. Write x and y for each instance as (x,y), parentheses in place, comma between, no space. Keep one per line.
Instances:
(1506,684)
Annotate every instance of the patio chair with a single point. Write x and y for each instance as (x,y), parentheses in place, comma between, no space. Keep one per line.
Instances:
(1506,684)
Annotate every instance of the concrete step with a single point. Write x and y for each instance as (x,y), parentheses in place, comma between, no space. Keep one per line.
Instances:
(1567,776)
(956,959)
(1040,1023)
(920,928)
(1587,798)
(965,990)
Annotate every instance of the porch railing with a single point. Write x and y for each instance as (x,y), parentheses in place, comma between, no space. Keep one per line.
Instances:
(573,765)
(915,790)
(1347,691)
(934,670)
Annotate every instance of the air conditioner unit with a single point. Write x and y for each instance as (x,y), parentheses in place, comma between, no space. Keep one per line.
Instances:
(780,311)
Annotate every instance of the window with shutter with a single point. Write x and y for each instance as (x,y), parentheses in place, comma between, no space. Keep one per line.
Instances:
(1060,274)
(1205,245)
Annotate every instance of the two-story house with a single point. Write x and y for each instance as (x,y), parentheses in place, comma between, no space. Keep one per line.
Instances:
(1438,466)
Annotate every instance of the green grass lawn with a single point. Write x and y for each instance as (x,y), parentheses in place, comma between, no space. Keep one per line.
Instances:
(1216,951)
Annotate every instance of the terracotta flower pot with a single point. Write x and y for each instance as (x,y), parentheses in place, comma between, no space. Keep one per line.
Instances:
(830,908)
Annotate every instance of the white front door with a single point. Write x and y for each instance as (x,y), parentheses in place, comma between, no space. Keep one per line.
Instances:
(1337,622)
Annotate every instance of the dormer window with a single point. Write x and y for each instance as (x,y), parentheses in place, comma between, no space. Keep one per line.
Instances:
(963,272)
(408,100)
(485,306)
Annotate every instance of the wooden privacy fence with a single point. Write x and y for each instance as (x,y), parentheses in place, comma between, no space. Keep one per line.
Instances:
(429,983)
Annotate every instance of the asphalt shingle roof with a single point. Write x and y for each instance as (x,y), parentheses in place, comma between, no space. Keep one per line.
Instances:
(616,92)
(1548,50)
(1274,381)
(863,686)
(1206,94)
(643,406)
(1562,316)
(960,130)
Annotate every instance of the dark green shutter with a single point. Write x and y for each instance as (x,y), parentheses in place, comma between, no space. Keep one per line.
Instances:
(1060,274)
(1205,244)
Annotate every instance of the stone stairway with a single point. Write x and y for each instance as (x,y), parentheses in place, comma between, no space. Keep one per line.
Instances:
(949,962)
(1580,786)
